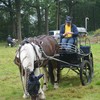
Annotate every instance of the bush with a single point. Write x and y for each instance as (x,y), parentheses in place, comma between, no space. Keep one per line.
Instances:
(97,32)
(91,33)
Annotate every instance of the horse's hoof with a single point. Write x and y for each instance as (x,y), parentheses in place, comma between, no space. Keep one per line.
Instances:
(26,96)
(56,86)
(45,88)
(42,96)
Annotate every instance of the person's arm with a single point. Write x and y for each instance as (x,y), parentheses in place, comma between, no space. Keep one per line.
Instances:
(74,30)
(62,31)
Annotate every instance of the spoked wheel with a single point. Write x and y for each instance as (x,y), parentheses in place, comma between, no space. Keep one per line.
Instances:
(92,64)
(85,72)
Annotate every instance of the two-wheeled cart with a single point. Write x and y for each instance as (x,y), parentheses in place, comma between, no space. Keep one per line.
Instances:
(79,59)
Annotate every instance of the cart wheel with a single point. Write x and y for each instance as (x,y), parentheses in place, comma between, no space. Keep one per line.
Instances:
(92,64)
(85,72)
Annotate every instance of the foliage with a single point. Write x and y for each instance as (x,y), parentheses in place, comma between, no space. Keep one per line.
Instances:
(97,32)
(91,32)
(40,16)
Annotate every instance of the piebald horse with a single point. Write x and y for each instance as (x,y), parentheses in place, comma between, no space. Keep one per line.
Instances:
(30,56)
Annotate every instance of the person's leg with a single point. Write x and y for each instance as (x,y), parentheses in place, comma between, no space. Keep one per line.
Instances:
(7,43)
(70,41)
(11,43)
(64,41)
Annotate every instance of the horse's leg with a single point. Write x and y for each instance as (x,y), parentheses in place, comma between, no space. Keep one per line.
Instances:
(45,78)
(50,70)
(55,78)
(53,72)
(41,93)
(56,72)
(24,83)
(34,98)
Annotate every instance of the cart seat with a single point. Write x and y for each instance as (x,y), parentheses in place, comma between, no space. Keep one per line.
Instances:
(85,49)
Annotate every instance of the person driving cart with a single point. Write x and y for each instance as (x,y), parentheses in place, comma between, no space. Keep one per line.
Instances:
(68,33)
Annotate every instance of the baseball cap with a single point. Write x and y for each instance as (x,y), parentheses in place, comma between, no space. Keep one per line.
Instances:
(68,19)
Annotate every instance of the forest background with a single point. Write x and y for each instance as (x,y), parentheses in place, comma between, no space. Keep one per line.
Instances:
(25,18)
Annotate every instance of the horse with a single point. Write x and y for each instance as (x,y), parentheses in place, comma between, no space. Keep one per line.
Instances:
(30,56)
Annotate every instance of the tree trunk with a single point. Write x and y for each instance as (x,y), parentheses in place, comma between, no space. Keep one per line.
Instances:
(12,20)
(46,20)
(57,13)
(39,17)
(18,19)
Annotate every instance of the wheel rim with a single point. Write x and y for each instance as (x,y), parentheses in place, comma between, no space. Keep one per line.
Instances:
(85,73)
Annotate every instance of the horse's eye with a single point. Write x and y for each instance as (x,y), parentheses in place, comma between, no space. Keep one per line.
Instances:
(41,42)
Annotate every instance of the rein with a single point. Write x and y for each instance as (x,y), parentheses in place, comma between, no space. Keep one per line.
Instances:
(53,58)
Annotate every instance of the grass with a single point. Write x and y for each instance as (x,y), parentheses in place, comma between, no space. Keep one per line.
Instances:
(70,87)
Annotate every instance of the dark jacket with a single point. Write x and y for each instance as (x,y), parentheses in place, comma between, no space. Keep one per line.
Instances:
(73,29)
(9,39)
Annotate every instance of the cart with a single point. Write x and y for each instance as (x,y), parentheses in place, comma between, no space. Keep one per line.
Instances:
(79,58)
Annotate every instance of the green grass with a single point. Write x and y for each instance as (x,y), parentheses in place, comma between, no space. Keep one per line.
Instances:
(70,87)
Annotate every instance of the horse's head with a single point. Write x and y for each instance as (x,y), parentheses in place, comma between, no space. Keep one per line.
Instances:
(34,84)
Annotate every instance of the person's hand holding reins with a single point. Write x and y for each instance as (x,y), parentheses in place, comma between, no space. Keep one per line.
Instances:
(65,34)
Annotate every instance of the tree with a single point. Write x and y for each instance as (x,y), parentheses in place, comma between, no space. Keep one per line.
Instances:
(24,18)
(18,18)
(8,6)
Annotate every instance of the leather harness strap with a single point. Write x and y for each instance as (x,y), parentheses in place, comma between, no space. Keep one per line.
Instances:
(38,61)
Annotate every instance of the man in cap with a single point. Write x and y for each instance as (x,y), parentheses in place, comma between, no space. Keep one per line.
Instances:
(68,33)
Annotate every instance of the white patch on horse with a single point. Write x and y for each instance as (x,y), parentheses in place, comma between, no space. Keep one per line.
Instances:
(27,56)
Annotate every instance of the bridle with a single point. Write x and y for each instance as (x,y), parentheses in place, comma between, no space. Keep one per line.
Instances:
(38,59)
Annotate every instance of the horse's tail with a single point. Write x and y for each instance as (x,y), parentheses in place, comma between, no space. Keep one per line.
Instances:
(51,66)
